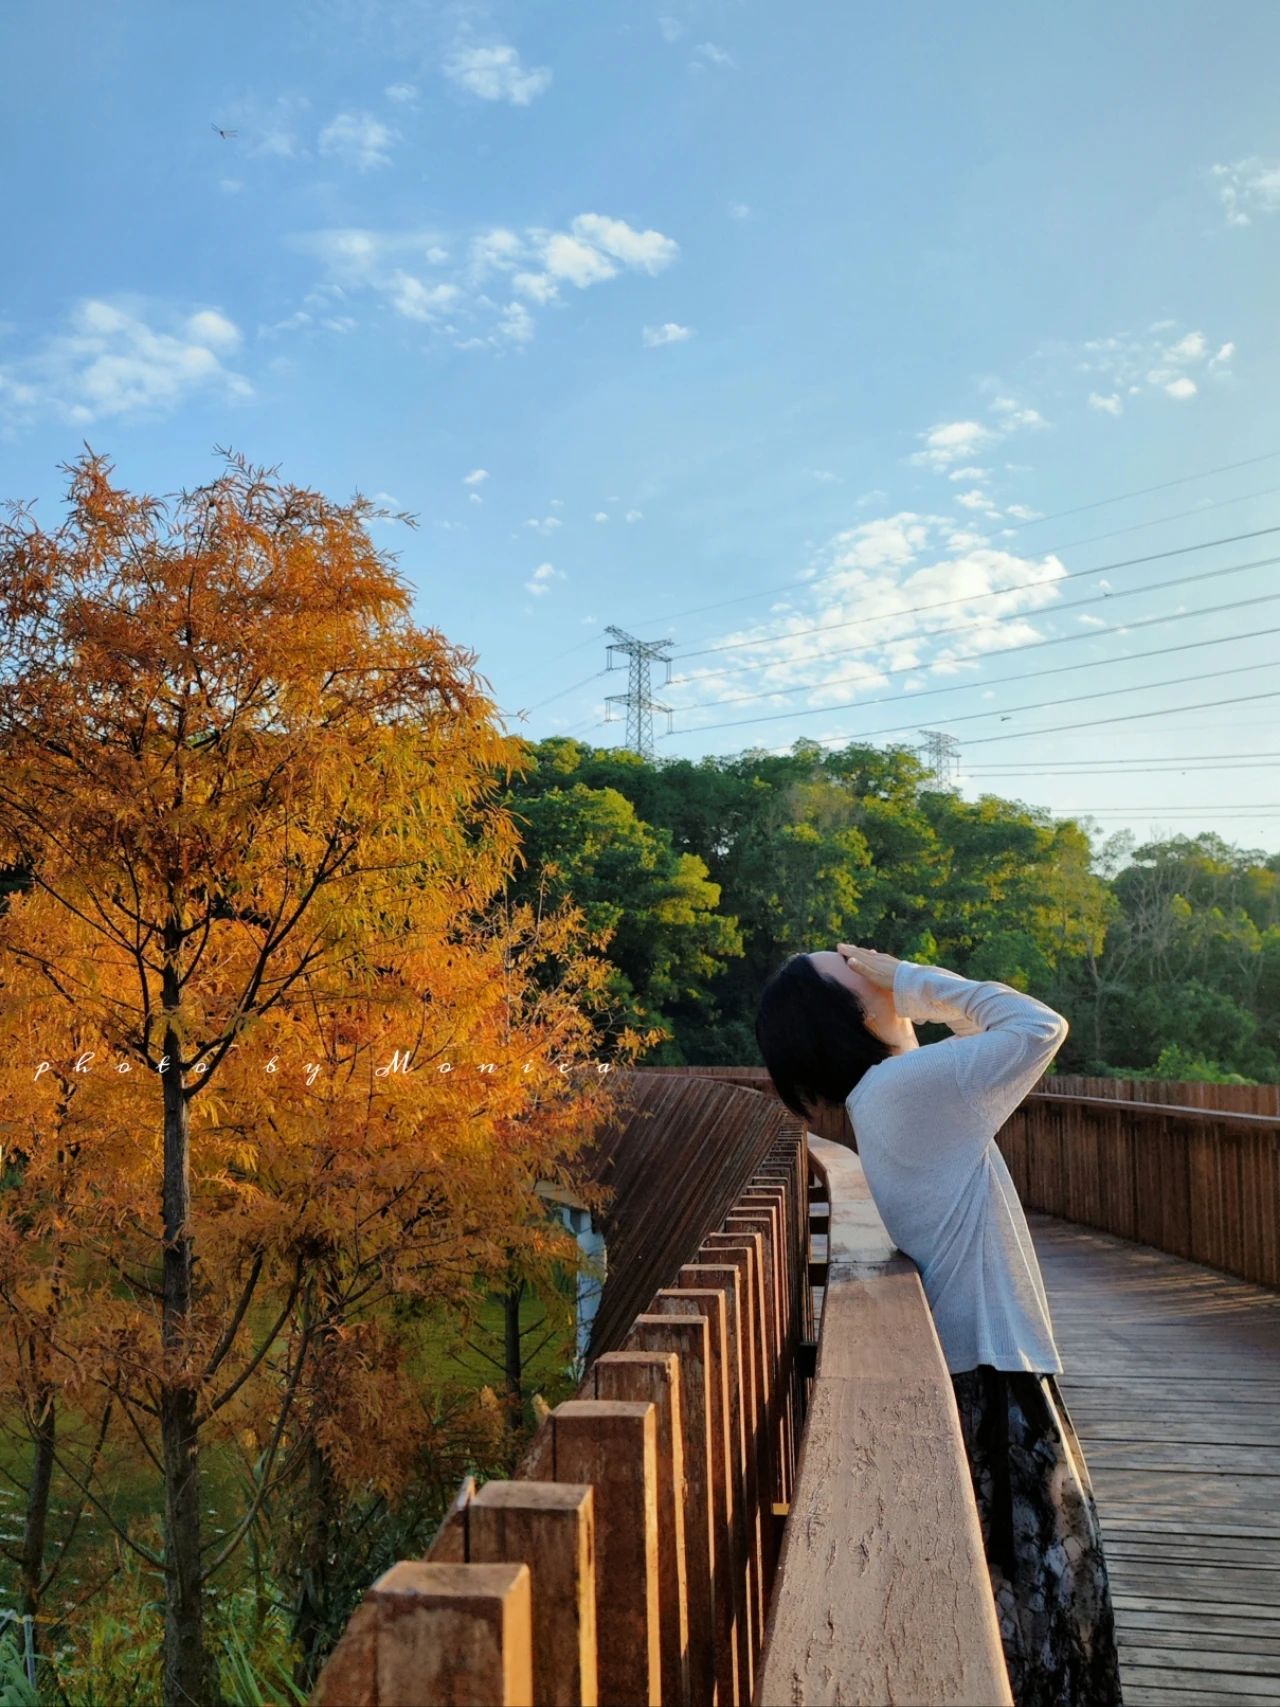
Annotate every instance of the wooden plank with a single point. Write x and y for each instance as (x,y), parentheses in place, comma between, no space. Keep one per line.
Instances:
(612,1444)
(723,1278)
(457,1634)
(729,1639)
(549,1526)
(687,1337)
(655,1376)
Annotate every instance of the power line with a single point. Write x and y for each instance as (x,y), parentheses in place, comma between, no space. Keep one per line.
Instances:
(987,682)
(972,598)
(1144,491)
(1069,545)
(1058,729)
(985,622)
(1057,515)
(1007,651)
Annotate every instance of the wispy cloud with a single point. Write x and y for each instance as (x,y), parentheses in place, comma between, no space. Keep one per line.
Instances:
(403,94)
(949,441)
(876,574)
(1248,188)
(668,333)
(418,276)
(739,210)
(672,29)
(123,359)
(542,579)
(358,139)
(496,74)
(1129,364)
(477,477)
(711,53)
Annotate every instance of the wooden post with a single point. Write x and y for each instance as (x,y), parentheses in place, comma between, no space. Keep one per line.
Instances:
(459,1635)
(723,1278)
(711,1307)
(742,1252)
(687,1337)
(656,1376)
(612,1444)
(549,1526)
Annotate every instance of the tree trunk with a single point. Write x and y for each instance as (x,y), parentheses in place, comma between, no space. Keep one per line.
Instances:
(185,1676)
(44,1418)
(513,1361)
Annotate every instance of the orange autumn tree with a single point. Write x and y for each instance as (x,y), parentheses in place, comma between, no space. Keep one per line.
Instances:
(268,799)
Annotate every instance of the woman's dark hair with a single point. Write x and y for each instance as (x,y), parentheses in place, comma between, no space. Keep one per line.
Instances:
(813,1037)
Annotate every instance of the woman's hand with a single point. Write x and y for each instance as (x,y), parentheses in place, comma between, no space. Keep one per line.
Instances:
(876,968)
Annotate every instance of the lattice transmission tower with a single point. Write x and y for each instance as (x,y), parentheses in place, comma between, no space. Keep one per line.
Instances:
(637,699)
(940,752)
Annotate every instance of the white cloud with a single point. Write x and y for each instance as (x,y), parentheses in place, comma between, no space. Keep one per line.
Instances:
(541,579)
(826,477)
(477,477)
(739,210)
(1023,512)
(401,93)
(869,583)
(668,333)
(496,74)
(418,301)
(969,473)
(634,516)
(710,53)
(1130,363)
(672,29)
(602,515)
(557,503)
(649,251)
(1248,187)
(534,263)
(359,139)
(948,442)
(1088,620)
(475,498)
(1016,414)
(114,359)
(976,500)
(1192,348)
(547,525)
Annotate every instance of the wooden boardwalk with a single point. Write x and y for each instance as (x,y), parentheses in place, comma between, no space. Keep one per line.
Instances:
(1171,1373)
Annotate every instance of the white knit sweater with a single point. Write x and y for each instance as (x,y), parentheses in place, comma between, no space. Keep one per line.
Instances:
(925,1122)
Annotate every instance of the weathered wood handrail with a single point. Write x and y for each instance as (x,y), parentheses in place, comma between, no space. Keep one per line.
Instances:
(631,1559)
(883,1592)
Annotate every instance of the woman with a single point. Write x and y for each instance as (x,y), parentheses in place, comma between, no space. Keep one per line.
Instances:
(837,1028)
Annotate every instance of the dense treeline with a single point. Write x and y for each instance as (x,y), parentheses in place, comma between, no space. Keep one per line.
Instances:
(1165,957)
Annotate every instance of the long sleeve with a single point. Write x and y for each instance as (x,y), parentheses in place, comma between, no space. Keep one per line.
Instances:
(1004,1039)
(925,1120)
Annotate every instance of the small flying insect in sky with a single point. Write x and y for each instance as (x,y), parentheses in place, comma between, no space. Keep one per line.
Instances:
(226,135)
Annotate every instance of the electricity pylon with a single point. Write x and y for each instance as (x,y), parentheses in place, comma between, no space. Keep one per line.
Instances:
(939,753)
(637,699)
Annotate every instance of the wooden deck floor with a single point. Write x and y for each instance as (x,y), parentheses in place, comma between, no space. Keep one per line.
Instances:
(1171,1373)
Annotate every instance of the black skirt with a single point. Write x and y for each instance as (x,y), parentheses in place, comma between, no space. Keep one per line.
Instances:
(1042,1537)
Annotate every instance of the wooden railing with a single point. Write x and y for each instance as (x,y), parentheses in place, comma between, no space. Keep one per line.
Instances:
(761,1496)
(1198,1182)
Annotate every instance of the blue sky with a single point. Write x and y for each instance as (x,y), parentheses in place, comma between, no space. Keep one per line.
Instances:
(753,327)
